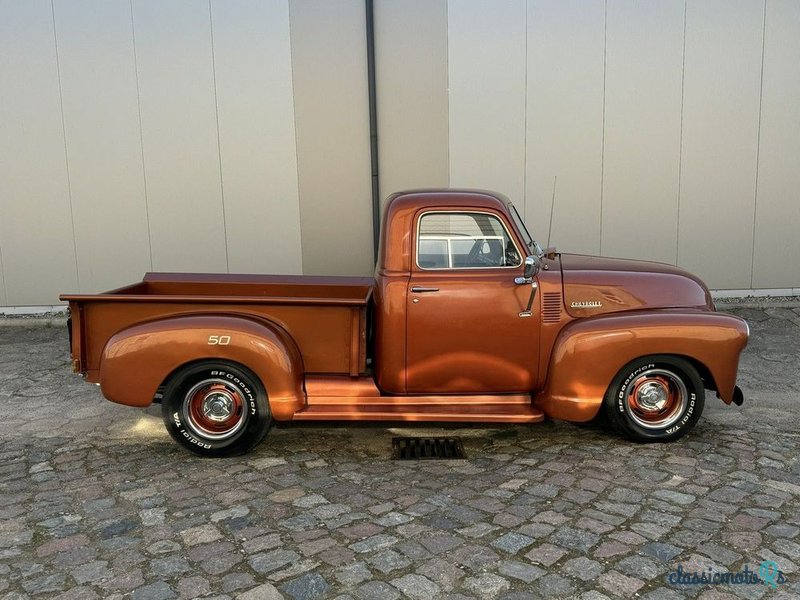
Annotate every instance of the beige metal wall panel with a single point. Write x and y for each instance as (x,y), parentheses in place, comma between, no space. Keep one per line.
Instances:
(777,223)
(35,214)
(641,151)
(257,139)
(486,68)
(101,119)
(564,130)
(329,60)
(722,76)
(411,84)
(179,132)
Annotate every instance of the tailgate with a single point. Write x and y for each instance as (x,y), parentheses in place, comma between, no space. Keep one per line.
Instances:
(76,342)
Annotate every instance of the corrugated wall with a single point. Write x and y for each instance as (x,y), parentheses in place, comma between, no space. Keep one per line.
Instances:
(233,136)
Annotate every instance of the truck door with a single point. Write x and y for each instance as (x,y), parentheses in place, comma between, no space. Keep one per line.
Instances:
(464,329)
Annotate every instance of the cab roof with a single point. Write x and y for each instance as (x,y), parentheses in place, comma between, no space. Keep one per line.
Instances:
(400,208)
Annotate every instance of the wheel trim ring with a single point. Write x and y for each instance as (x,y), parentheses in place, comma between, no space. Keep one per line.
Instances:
(197,398)
(654,418)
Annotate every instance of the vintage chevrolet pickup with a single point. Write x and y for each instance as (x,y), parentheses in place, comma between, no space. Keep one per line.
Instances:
(466,319)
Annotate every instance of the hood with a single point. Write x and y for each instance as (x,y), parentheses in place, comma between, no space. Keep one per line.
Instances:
(595,285)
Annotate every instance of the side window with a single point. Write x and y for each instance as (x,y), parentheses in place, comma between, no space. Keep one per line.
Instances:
(464,241)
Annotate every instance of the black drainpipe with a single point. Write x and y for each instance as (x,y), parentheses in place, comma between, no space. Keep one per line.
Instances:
(373,126)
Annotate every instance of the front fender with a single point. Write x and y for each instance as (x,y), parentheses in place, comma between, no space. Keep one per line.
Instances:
(137,360)
(590,352)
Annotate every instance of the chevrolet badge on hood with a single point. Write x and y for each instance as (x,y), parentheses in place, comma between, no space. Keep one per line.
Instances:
(587,304)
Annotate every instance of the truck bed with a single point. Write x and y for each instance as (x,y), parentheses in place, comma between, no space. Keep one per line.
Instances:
(326,316)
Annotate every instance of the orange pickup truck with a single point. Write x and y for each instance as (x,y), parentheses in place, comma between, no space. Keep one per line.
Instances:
(466,319)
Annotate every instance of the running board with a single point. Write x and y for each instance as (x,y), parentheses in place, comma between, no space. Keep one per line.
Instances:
(453,411)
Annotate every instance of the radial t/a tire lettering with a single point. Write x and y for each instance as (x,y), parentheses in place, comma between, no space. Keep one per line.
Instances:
(656,398)
(216,408)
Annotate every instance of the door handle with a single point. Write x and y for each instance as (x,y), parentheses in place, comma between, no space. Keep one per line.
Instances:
(421,290)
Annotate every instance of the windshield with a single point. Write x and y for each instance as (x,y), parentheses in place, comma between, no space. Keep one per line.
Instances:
(526,236)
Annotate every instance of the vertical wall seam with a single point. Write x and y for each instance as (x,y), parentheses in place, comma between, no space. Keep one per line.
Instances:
(525,123)
(296,139)
(447,82)
(372,109)
(758,145)
(680,138)
(603,134)
(219,144)
(66,151)
(141,137)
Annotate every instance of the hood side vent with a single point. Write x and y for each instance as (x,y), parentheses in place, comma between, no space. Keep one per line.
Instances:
(551,307)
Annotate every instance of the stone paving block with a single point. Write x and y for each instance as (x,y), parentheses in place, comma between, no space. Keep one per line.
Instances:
(660,551)
(306,587)
(473,556)
(416,587)
(439,542)
(353,573)
(265,591)
(619,584)
(520,570)
(159,590)
(575,539)
(200,535)
(546,554)
(486,585)
(443,571)
(376,542)
(388,560)
(583,568)
(555,586)
(377,590)
(229,583)
(512,542)
(273,560)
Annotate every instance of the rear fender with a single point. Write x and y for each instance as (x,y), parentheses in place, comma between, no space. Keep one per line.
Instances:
(137,360)
(590,352)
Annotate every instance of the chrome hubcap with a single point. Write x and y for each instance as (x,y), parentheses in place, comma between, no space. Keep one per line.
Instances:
(214,409)
(218,406)
(657,399)
(653,396)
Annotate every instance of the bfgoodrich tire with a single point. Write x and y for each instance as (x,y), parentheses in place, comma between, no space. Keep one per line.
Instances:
(655,398)
(216,408)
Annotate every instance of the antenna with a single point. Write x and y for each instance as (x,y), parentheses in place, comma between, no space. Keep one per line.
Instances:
(552,206)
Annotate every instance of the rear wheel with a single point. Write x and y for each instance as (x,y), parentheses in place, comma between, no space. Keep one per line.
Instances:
(216,408)
(655,399)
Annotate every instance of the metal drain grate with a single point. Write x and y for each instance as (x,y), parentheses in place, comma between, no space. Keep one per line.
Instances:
(408,448)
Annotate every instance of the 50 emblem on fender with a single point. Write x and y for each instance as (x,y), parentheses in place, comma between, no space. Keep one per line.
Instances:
(219,340)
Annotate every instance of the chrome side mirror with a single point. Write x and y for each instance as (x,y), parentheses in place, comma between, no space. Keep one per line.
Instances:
(530,271)
(531,266)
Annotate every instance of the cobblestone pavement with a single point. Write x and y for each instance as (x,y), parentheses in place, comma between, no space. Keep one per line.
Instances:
(96,500)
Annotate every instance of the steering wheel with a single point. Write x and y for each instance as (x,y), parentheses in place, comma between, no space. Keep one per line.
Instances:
(477,256)
(512,256)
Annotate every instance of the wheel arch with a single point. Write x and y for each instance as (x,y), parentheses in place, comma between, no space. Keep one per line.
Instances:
(589,353)
(705,373)
(138,361)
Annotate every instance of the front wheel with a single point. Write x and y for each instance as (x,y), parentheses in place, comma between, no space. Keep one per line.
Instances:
(216,408)
(655,399)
